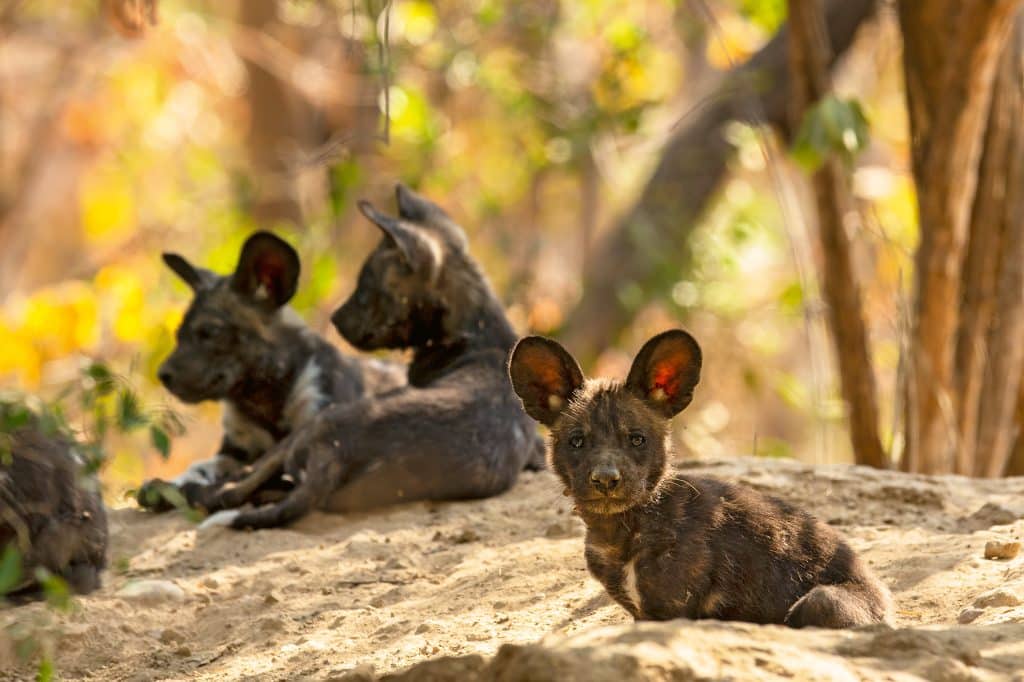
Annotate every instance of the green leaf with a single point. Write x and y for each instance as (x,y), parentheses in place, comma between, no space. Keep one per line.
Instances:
(56,589)
(6,450)
(103,379)
(13,416)
(10,569)
(833,126)
(129,411)
(45,670)
(160,440)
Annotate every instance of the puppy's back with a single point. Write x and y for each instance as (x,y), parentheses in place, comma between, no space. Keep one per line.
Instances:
(51,511)
(766,555)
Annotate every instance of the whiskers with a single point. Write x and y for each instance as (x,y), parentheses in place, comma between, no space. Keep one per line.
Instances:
(675,483)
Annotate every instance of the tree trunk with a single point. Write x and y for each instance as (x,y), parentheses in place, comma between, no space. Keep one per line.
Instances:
(1015,464)
(999,395)
(980,274)
(272,127)
(809,55)
(647,245)
(946,142)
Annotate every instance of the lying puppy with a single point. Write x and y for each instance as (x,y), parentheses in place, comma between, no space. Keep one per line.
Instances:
(51,512)
(666,545)
(240,344)
(456,431)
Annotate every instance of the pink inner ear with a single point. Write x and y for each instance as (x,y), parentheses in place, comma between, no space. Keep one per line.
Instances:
(269,273)
(550,379)
(666,376)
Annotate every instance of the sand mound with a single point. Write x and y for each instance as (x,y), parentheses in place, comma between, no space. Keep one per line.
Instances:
(368,596)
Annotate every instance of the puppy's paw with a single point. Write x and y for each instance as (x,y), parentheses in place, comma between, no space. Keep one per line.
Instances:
(221,518)
(151,495)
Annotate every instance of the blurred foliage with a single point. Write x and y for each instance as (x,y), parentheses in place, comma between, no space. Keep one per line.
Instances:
(504,112)
(832,126)
(86,412)
(33,638)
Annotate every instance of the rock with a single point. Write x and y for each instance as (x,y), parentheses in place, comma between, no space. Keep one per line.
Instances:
(445,669)
(950,670)
(152,592)
(969,615)
(1001,596)
(988,515)
(996,549)
(707,650)
(210,583)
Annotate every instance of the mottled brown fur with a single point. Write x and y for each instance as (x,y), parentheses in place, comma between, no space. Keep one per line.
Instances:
(241,345)
(52,512)
(667,545)
(457,430)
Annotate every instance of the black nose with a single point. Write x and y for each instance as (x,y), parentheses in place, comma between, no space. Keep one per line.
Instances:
(605,478)
(166,377)
(338,318)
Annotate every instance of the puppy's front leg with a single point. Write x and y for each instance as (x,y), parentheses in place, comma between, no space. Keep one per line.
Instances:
(236,493)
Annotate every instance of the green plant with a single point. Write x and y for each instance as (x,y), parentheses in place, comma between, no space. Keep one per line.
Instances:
(85,412)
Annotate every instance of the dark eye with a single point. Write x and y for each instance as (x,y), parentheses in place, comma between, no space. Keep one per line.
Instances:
(576,440)
(637,439)
(207,332)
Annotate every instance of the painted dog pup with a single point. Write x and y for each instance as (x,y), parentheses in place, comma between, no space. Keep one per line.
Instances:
(241,344)
(457,431)
(667,545)
(51,512)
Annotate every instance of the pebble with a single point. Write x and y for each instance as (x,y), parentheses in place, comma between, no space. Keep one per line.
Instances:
(969,615)
(996,549)
(171,636)
(562,529)
(466,536)
(152,591)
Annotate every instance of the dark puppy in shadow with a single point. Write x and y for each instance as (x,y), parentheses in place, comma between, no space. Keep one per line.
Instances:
(239,343)
(457,431)
(666,545)
(51,512)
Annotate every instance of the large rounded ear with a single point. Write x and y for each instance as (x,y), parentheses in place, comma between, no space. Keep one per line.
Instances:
(196,278)
(544,376)
(418,248)
(665,371)
(413,206)
(267,271)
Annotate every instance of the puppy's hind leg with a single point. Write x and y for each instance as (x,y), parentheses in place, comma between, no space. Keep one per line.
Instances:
(319,480)
(846,605)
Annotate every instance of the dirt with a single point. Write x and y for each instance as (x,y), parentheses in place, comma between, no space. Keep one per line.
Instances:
(497,589)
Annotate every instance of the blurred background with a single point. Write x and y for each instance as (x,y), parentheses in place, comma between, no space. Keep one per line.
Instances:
(619,168)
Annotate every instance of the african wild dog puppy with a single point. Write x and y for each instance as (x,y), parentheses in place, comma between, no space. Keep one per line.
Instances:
(51,511)
(457,431)
(666,545)
(240,344)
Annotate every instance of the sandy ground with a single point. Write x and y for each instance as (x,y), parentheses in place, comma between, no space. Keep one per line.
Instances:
(332,595)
